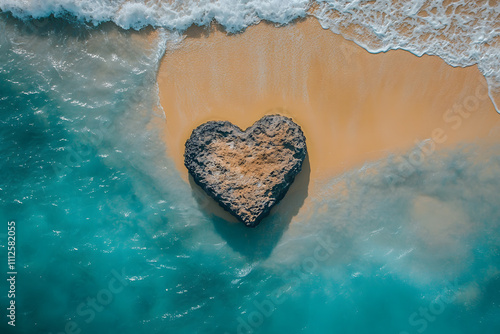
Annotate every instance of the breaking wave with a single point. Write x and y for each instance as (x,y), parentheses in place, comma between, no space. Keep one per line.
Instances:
(462,33)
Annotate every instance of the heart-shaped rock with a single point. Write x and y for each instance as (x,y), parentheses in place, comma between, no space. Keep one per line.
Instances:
(246,172)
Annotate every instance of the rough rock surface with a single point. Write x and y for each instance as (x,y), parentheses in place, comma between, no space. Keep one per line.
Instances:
(246,172)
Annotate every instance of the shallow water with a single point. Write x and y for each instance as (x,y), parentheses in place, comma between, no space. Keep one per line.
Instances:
(111,240)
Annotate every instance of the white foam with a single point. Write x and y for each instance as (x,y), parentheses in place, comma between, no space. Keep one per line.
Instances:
(233,15)
(90,10)
(461,32)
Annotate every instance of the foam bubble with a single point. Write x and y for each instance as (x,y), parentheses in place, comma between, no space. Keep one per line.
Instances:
(179,15)
(462,33)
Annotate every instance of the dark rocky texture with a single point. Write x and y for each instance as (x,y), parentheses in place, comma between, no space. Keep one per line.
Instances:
(246,172)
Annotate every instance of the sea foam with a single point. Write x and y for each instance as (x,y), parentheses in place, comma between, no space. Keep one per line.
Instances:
(179,15)
(93,194)
(462,33)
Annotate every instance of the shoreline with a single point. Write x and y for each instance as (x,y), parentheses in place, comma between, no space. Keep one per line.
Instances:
(353,106)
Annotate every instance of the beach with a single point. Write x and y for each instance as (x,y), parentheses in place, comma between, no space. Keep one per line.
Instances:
(354,107)
(394,213)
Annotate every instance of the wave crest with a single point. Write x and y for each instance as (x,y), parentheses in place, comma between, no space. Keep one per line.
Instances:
(461,32)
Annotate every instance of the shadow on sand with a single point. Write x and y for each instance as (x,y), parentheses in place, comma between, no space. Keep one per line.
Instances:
(259,242)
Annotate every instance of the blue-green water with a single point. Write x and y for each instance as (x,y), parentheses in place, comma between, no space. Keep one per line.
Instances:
(109,239)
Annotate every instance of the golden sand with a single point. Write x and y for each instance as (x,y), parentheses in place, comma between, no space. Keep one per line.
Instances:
(353,106)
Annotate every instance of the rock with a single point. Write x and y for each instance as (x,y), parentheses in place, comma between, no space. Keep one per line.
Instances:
(246,172)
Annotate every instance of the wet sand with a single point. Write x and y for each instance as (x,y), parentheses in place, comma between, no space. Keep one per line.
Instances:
(353,106)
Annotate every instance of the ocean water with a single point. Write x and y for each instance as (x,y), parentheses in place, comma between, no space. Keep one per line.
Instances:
(461,32)
(109,239)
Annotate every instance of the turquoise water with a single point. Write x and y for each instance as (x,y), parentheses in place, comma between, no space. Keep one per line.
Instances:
(111,240)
